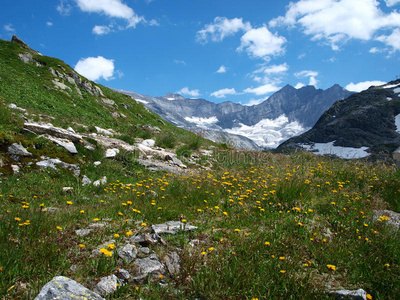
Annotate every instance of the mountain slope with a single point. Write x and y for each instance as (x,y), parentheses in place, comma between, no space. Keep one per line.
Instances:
(286,113)
(367,119)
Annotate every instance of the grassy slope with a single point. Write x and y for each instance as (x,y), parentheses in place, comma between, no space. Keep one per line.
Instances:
(268,224)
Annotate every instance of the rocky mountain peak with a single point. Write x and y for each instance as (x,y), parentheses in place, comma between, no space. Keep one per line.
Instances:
(16,39)
(171,96)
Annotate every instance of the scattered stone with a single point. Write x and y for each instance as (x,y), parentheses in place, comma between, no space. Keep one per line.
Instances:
(61,85)
(73,268)
(107,285)
(126,106)
(53,131)
(145,250)
(83,232)
(52,162)
(18,149)
(70,129)
(151,193)
(61,287)
(51,209)
(173,262)
(128,253)
(359,294)
(111,153)
(65,143)
(26,57)
(16,39)
(13,106)
(175,161)
(108,132)
(86,180)
(97,226)
(149,265)
(144,239)
(107,101)
(123,275)
(393,217)
(67,189)
(97,163)
(172,227)
(15,169)
(101,181)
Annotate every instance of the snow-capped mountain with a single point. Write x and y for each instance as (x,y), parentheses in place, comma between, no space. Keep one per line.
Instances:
(287,113)
(363,124)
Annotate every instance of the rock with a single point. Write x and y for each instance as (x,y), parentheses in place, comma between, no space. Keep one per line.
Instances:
(53,131)
(86,180)
(359,294)
(91,89)
(145,250)
(83,232)
(148,265)
(149,143)
(175,161)
(52,162)
(101,181)
(26,57)
(61,85)
(128,253)
(65,143)
(173,262)
(151,193)
(393,217)
(16,39)
(73,268)
(107,101)
(126,106)
(107,285)
(15,169)
(61,287)
(18,149)
(172,227)
(144,239)
(123,275)
(108,132)
(51,209)
(67,189)
(97,226)
(111,153)
(13,106)
(97,163)
(70,129)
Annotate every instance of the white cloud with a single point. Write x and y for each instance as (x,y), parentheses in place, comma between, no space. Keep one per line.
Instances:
(274,69)
(221,28)
(253,102)
(262,90)
(299,85)
(95,68)
(111,8)
(64,8)
(336,21)
(9,27)
(222,93)
(100,30)
(376,50)
(392,40)
(187,91)
(261,43)
(153,22)
(361,86)
(49,23)
(180,62)
(222,69)
(392,2)
(310,74)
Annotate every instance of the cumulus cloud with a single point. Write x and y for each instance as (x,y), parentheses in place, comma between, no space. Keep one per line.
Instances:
(187,91)
(392,40)
(261,43)
(392,2)
(111,8)
(361,86)
(222,69)
(253,102)
(9,28)
(299,85)
(95,68)
(101,30)
(220,29)
(222,93)
(180,62)
(49,23)
(308,74)
(263,89)
(336,21)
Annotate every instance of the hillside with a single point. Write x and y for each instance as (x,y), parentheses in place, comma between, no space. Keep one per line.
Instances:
(286,113)
(111,202)
(368,119)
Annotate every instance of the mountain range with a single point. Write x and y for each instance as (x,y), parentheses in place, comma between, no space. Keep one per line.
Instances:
(284,114)
(368,122)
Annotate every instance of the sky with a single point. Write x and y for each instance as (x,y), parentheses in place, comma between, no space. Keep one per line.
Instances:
(220,50)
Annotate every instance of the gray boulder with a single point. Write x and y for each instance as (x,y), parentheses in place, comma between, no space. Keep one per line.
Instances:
(16,39)
(359,294)
(61,287)
(18,149)
(86,180)
(128,253)
(148,266)
(53,131)
(107,285)
(173,262)
(172,227)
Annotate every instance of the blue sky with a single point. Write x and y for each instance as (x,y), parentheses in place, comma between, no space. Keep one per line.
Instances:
(219,50)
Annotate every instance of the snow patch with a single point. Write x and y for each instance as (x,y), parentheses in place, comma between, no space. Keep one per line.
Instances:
(342,152)
(390,86)
(389,99)
(269,133)
(202,122)
(142,101)
(397,123)
(396,91)
(171,99)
